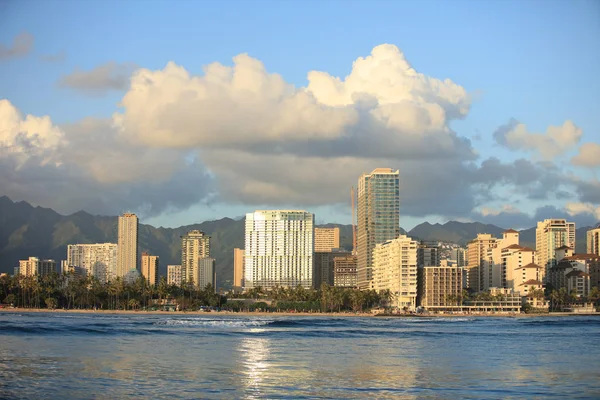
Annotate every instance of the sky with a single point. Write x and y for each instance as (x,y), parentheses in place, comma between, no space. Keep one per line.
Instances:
(194,110)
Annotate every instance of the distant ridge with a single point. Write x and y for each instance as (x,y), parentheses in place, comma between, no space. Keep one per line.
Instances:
(36,231)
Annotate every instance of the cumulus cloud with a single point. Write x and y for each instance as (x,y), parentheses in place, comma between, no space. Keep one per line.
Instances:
(583,208)
(555,141)
(105,77)
(588,156)
(21,46)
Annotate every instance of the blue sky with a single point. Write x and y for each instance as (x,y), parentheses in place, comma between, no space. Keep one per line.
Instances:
(534,61)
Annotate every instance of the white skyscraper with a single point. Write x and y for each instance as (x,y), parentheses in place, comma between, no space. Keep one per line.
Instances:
(279,249)
(128,244)
(98,260)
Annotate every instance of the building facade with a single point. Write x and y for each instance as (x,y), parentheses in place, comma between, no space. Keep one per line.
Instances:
(551,234)
(395,269)
(150,268)
(593,240)
(238,268)
(442,287)
(344,271)
(174,275)
(428,254)
(98,260)
(127,239)
(194,246)
(378,213)
(279,248)
(34,266)
(476,255)
(206,274)
(325,267)
(327,239)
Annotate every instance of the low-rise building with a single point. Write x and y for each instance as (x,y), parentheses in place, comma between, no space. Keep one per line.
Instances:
(174,275)
(442,287)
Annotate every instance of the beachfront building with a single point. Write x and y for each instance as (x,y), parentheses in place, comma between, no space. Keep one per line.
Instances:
(195,245)
(513,259)
(378,213)
(98,260)
(206,273)
(238,269)
(279,247)
(325,267)
(395,269)
(442,287)
(476,253)
(150,268)
(551,234)
(344,271)
(34,266)
(593,240)
(327,239)
(127,239)
(586,263)
(174,275)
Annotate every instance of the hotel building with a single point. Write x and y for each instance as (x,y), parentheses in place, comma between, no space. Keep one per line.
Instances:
(593,240)
(442,287)
(476,253)
(344,271)
(327,239)
(378,213)
(98,260)
(128,244)
(195,245)
(395,269)
(550,235)
(150,268)
(174,275)
(238,268)
(279,248)
(34,266)
(206,274)
(324,266)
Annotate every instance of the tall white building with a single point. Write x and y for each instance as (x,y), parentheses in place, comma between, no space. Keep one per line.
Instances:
(279,249)
(194,246)
(395,269)
(128,244)
(549,236)
(593,240)
(98,260)
(378,215)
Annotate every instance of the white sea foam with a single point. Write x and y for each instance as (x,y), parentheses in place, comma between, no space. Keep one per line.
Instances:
(217,323)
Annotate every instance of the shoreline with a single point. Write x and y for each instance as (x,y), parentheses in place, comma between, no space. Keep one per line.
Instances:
(293,314)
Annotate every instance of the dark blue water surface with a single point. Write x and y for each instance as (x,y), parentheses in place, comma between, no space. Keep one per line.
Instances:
(179,356)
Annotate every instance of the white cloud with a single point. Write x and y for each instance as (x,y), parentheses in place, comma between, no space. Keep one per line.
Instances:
(583,208)
(588,156)
(555,141)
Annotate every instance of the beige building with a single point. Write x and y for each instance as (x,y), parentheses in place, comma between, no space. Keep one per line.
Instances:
(206,274)
(578,282)
(279,249)
(34,266)
(513,258)
(395,269)
(327,239)
(150,268)
(98,260)
(128,244)
(588,263)
(593,240)
(525,278)
(442,287)
(194,246)
(325,266)
(491,272)
(476,255)
(174,275)
(238,268)
(378,213)
(344,271)
(551,234)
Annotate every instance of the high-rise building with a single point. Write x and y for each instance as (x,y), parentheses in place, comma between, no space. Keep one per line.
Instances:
(491,269)
(238,268)
(459,256)
(395,269)
(279,249)
(324,266)
(593,240)
(98,260)
(378,214)
(428,254)
(150,268)
(327,239)
(205,274)
(442,286)
(476,253)
(128,244)
(194,246)
(174,275)
(517,266)
(549,236)
(344,271)
(34,266)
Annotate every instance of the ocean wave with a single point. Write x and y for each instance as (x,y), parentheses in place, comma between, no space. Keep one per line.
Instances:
(218,323)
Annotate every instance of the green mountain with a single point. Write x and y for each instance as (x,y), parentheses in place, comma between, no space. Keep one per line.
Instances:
(35,231)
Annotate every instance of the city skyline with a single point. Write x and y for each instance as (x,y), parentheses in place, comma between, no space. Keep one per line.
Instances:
(505,139)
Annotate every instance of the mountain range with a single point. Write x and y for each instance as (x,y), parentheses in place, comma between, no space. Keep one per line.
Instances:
(41,232)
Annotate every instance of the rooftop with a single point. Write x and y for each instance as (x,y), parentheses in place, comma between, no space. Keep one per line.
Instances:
(530,265)
(531,282)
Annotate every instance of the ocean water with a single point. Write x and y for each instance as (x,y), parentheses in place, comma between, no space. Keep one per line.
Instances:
(57,356)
